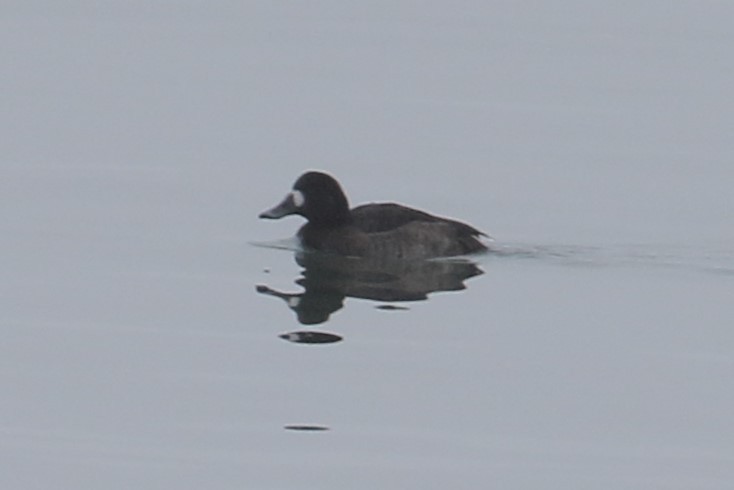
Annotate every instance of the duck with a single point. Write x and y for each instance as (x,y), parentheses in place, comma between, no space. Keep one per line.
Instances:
(375,230)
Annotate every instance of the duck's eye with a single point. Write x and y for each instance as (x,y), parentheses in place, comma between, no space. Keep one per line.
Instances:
(298,198)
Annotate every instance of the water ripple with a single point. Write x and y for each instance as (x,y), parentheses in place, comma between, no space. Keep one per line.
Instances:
(718,261)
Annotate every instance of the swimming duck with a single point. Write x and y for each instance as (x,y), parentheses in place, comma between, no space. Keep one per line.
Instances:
(377,230)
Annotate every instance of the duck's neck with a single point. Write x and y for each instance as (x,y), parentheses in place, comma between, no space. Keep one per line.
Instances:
(333,219)
(329,210)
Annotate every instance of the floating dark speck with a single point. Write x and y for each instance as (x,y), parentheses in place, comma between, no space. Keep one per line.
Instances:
(310,337)
(306,428)
(392,307)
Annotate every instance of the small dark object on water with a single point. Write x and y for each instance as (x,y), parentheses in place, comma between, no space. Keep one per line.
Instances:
(306,428)
(311,337)
(392,308)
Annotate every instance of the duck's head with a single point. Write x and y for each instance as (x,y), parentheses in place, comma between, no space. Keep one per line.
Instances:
(316,196)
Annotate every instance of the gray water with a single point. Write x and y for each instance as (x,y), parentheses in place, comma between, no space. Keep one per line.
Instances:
(142,344)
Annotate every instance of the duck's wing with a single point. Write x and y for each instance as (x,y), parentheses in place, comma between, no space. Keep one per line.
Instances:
(381,217)
(424,240)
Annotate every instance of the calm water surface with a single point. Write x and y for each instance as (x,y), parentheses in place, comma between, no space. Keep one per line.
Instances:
(148,343)
(169,349)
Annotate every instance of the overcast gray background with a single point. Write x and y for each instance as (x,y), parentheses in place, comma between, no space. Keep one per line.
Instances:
(141,139)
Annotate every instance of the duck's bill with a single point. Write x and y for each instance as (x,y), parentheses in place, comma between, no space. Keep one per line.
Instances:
(286,207)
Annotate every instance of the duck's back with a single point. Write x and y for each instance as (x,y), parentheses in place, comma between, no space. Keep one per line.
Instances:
(376,217)
(408,233)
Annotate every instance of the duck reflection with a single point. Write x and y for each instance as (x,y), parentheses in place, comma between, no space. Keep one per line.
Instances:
(307,337)
(328,279)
